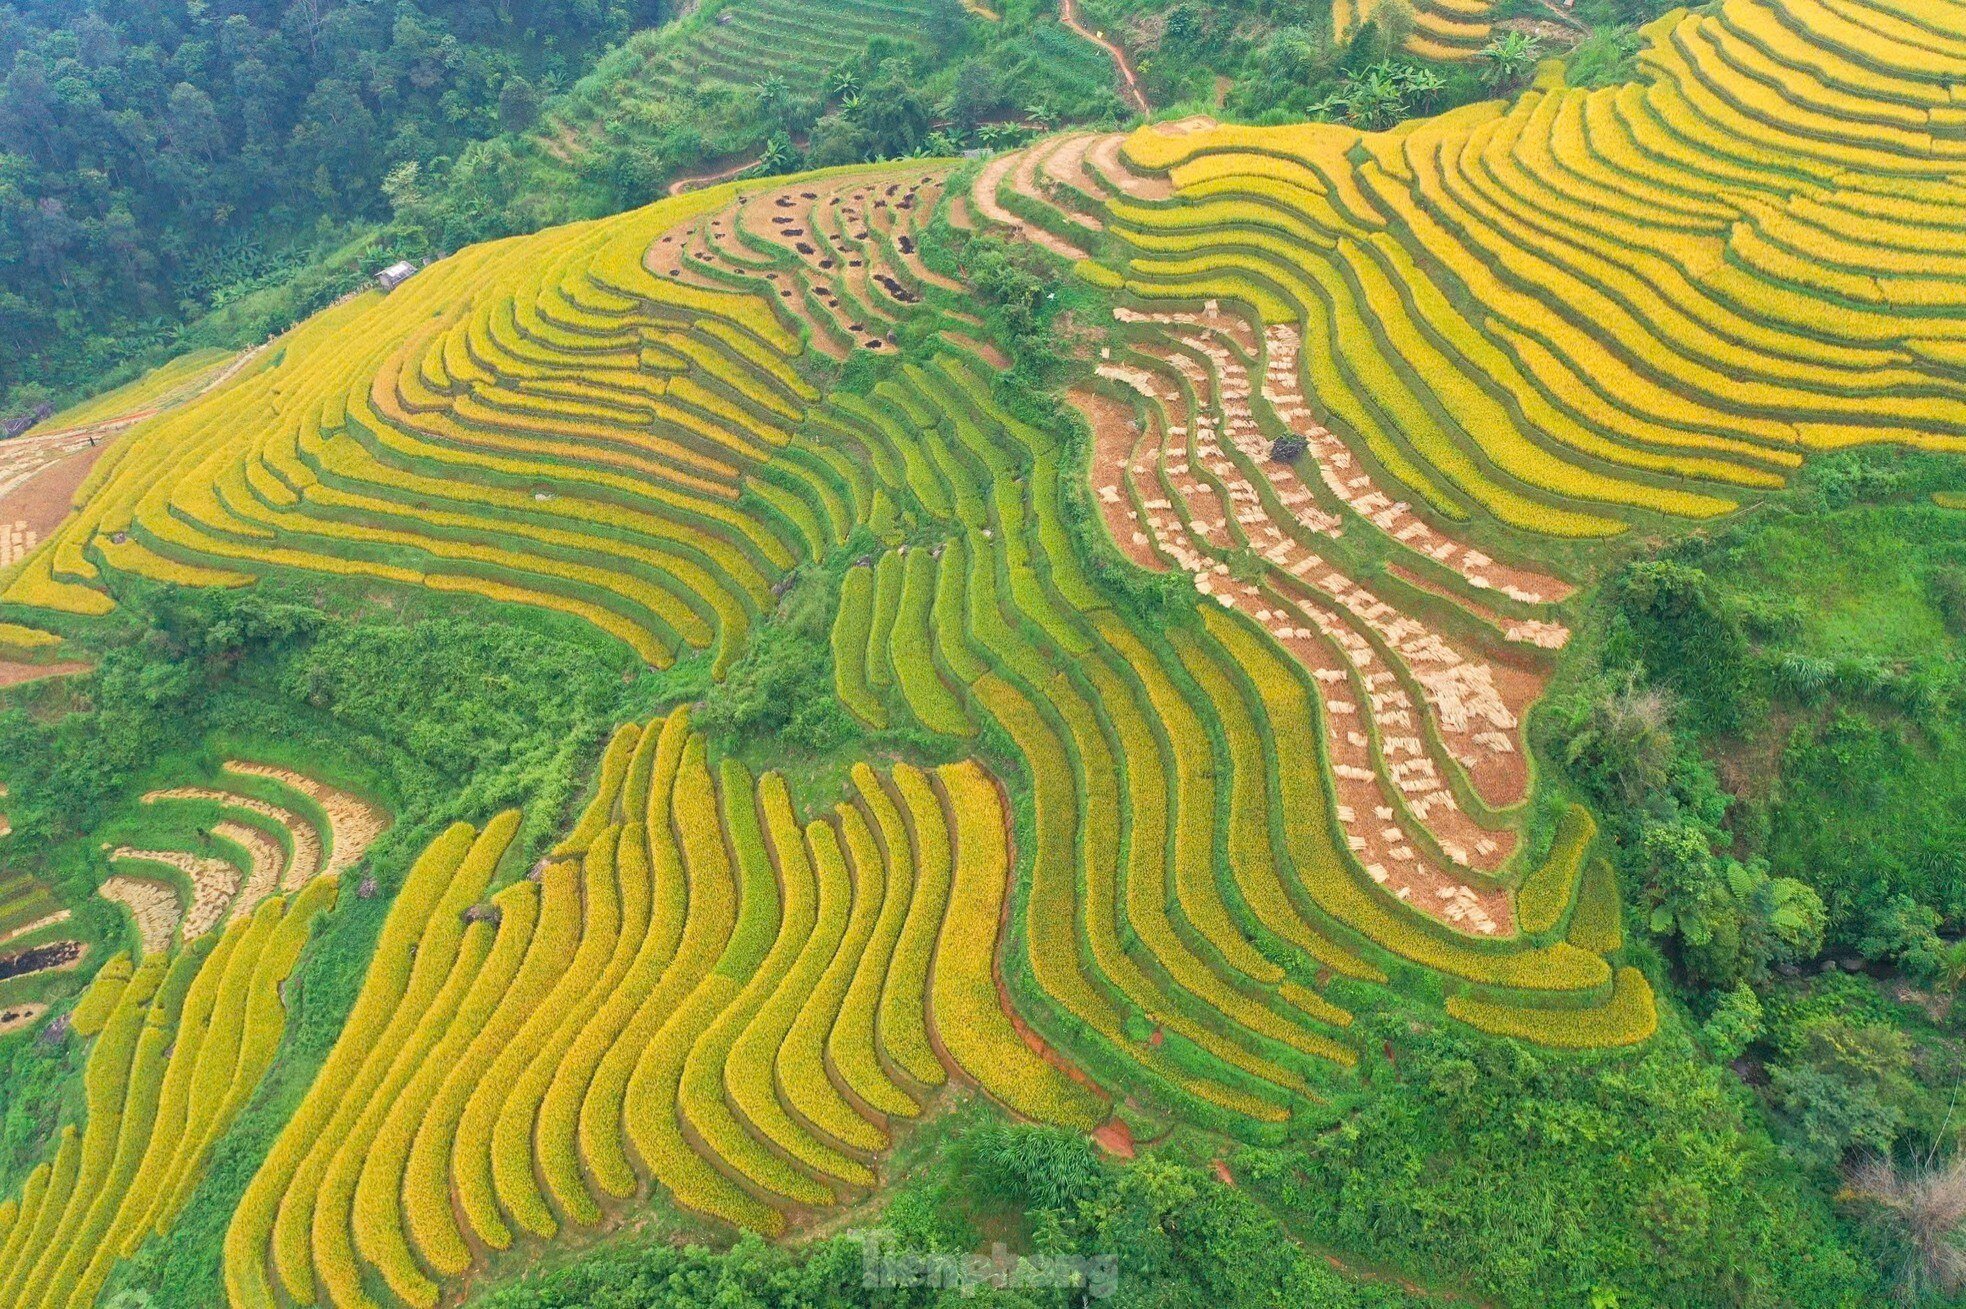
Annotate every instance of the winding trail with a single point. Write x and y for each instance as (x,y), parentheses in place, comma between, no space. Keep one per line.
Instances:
(697,181)
(110,426)
(1565,17)
(1068,14)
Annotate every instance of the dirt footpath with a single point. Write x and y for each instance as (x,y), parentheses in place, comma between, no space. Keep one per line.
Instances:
(1068,14)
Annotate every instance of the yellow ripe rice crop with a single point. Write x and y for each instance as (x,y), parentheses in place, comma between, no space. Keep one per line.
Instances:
(676,1007)
(1567,300)
(18,640)
(968,1015)
(1628,1017)
(1596,922)
(1547,892)
(212,494)
(182,1041)
(1186,849)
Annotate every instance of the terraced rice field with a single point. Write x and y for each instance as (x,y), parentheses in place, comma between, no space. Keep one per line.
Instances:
(22,460)
(1370,404)
(26,905)
(696,994)
(219,854)
(185,1031)
(274,834)
(1442,29)
(1588,309)
(744,43)
(1170,946)
(701,464)
(40,472)
(160,388)
(624,455)
(181,1041)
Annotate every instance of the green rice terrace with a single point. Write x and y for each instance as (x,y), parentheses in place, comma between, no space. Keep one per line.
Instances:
(740,44)
(1193,645)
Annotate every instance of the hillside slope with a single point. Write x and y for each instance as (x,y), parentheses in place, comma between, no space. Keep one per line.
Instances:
(1221,621)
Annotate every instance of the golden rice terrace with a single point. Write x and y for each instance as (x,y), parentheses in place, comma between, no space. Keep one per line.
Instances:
(1371,407)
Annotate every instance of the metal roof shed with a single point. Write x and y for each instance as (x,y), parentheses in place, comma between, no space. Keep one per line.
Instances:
(395,275)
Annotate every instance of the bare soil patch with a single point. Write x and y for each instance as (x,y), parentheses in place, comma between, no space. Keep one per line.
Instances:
(1115,1138)
(1536,632)
(42,502)
(13,673)
(984,197)
(1105,158)
(1114,436)
(13,1017)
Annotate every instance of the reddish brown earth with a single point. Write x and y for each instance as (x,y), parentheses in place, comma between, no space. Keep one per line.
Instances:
(1114,434)
(1068,14)
(13,674)
(43,501)
(1105,158)
(983,196)
(1115,1138)
(1503,779)
(1500,622)
(1067,165)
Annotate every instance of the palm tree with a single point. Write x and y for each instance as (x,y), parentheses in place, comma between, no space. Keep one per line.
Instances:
(1423,85)
(779,154)
(1509,59)
(1375,99)
(773,90)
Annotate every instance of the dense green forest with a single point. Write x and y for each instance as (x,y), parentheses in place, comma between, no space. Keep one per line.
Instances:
(160,160)
(208,174)
(1771,723)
